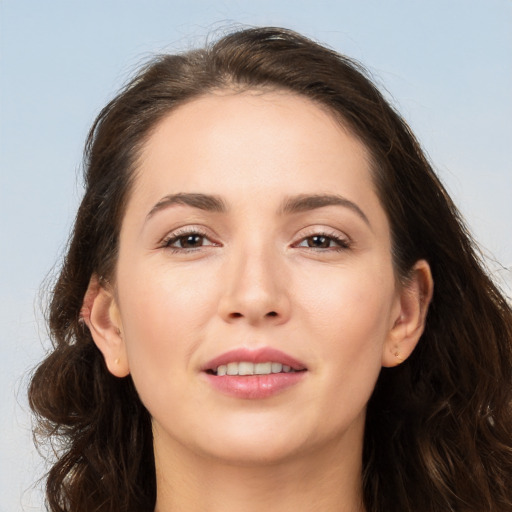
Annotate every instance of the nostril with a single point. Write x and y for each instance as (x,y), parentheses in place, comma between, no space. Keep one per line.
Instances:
(236,314)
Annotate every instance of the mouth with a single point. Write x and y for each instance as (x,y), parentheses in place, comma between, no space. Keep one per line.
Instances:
(249,368)
(254,374)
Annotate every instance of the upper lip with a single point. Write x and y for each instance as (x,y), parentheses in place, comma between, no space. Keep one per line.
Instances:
(261,355)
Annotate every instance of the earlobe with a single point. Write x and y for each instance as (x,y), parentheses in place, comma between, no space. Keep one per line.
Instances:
(101,315)
(409,323)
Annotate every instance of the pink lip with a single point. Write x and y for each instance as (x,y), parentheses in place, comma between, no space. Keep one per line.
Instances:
(254,386)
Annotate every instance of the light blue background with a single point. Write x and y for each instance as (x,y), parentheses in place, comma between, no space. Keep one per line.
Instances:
(447,64)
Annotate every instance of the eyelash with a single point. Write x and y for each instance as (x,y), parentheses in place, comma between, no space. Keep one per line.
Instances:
(340,243)
(181,235)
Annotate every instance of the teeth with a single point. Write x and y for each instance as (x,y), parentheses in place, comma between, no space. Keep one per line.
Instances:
(232,369)
(262,368)
(246,368)
(277,367)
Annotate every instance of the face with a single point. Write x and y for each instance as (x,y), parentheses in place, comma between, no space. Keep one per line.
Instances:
(254,243)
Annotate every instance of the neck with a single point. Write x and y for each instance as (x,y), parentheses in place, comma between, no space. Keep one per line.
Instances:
(328,479)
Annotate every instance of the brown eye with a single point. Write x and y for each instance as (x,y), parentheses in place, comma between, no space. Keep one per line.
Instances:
(187,241)
(322,241)
(190,241)
(319,241)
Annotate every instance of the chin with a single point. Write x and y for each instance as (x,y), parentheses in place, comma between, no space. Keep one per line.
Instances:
(250,443)
(245,452)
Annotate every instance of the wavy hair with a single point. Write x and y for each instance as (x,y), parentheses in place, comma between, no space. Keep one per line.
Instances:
(438,433)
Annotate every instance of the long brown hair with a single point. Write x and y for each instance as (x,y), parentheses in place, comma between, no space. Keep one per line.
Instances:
(439,427)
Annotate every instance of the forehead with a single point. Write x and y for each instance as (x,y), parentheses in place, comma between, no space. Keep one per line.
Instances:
(258,138)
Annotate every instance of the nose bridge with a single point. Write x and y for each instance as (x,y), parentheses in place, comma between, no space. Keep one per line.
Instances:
(255,287)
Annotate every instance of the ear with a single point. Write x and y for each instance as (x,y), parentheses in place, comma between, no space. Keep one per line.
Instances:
(101,315)
(409,323)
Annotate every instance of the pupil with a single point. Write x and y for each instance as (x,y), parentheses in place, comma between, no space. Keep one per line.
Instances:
(319,241)
(191,241)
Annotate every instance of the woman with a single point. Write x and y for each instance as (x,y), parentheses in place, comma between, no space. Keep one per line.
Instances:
(269,300)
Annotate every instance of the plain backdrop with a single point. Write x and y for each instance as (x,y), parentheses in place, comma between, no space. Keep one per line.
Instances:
(445,64)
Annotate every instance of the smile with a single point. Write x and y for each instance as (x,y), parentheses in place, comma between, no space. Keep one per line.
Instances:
(253,374)
(248,368)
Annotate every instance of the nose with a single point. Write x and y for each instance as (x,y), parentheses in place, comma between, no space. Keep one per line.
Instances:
(255,289)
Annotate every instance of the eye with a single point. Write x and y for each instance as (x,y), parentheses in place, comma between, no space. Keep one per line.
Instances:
(323,241)
(187,240)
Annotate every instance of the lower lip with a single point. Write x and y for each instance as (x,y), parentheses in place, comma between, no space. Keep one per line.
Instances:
(254,386)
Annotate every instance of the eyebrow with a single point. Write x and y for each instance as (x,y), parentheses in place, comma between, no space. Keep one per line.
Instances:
(302,203)
(202,201)
(295,204)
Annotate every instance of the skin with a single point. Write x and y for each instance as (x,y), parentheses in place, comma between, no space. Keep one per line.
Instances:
(254,277)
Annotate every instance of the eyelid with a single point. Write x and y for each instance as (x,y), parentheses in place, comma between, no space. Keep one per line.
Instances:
(342,240)
(184,231)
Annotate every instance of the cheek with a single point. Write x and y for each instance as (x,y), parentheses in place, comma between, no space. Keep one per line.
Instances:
(349,315)
(163,302)
(164,317)
(351,300)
